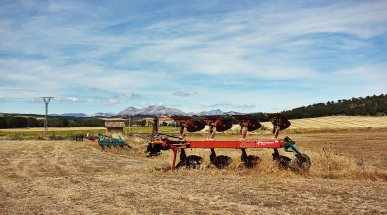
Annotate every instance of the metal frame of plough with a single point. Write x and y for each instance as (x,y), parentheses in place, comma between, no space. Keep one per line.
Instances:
(301,162)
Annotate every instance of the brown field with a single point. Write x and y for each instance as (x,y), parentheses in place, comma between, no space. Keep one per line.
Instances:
(348,176)
(333,122)
(340,122)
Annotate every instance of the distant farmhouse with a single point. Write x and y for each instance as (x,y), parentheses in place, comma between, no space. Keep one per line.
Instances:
(163,120)
(114,126)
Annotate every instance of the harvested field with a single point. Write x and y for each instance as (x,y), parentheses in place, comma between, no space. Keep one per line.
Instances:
(67,177)
(325,124)
(339,122)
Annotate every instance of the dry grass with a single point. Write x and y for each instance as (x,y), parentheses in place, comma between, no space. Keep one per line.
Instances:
(67,177)
(339,122)
(321,124)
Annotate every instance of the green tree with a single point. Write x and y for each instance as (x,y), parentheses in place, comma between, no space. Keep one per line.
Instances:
(17,122)
(3,122)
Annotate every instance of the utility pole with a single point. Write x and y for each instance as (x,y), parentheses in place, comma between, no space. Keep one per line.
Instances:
(46,100)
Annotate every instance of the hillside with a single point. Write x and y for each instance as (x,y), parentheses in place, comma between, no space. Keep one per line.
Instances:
(368,106)
(336,122)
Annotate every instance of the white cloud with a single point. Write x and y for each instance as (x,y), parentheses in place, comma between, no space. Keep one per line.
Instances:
(71,99)
(181,94)
(246,106)
(216,105)
(228,105)
(109,100)
(256,42)
(185,94)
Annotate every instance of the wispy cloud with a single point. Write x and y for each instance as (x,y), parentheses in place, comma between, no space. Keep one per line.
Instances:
(246,106)
(185,94)
(228,105)
(109,100)
(216,105)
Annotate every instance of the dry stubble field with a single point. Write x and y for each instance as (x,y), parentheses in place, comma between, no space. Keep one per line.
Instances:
(67,177)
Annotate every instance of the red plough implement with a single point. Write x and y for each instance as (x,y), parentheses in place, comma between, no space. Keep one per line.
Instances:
(159,142)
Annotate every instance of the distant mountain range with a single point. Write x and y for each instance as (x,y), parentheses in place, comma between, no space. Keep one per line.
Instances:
(110,114)
(151,110)
(74,114)
(148,111)
(217,112)
(99,114)
(212,112)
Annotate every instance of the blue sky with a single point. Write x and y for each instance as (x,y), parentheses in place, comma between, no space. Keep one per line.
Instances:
(248,56)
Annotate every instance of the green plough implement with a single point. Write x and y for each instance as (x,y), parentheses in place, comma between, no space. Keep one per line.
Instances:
(108,141)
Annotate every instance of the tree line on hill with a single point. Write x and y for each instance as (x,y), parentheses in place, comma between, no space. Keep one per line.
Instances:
(368,106)
(30,121)
(23,122)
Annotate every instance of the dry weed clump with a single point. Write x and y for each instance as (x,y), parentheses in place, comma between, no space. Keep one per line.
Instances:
(325,164)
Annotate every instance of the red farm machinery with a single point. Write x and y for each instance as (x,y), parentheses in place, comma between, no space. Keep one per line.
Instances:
(247,122)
